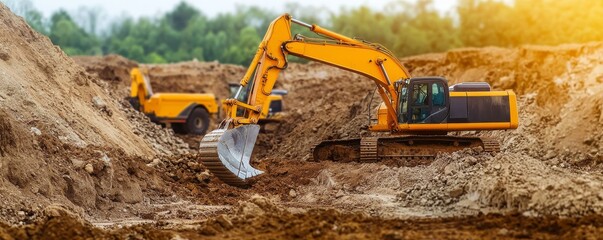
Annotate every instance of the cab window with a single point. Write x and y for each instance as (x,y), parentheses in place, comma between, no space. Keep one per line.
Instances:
(437,98)
(420,104)
(420,94)
(403,107)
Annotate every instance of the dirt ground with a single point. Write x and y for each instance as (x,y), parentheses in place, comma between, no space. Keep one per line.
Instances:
(76,161)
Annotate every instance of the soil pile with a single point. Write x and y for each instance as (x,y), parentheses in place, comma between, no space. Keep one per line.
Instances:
(323,103)
(261,218)
(65,139)
(183,77)
(195,77)
(559,88)
(112,69)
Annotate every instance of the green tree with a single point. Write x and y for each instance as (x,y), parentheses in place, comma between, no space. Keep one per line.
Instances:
(486,23)
(88,18)
(73,39)
(244,49)
(180,17)
(185,33)
(408,30)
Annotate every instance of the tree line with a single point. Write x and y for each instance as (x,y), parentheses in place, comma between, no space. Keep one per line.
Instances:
(186,33)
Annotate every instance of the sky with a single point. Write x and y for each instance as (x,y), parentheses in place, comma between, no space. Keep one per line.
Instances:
(137,8)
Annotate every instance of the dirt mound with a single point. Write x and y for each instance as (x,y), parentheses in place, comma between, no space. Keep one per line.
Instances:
(560,106)
(195,77)
(184,77)
(323,103)
(65,139)
(263,218)
(7,137)
(113,69)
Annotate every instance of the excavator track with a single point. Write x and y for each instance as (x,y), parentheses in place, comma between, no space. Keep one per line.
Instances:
(368,149)
(491,145)
(411,150)
(208,152)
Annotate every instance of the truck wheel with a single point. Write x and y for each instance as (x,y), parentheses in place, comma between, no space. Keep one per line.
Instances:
(197,122)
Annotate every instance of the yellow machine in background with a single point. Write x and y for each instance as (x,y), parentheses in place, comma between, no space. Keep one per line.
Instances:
(417,112)
(271,112)
(185,112)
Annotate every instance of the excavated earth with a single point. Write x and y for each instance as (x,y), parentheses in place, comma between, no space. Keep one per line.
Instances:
(76,161)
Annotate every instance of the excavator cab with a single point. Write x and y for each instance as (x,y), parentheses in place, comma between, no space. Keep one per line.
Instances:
(463,106)
(423,100)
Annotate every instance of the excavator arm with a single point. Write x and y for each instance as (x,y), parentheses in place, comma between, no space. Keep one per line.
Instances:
(370,60)
(227,150)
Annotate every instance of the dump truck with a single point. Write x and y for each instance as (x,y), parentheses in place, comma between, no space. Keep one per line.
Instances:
(187,113)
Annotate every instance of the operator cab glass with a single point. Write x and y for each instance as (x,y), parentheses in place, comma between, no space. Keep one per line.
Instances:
(402,87)
(423,100)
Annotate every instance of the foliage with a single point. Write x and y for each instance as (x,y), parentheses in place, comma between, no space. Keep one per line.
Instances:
(413,29)
(547,22)
(185,33)
(72,38)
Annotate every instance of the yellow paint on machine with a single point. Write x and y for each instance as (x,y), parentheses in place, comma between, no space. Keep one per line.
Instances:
(449,127)
(167,106)
(418,127)
(265,107)
(481,94)
(513,109)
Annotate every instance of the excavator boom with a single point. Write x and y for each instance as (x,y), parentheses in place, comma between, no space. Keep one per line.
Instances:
(370,60)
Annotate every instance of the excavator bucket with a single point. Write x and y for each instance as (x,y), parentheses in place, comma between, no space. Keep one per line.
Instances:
(227,152)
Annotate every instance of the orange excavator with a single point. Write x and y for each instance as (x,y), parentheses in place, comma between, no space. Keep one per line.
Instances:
(417,112)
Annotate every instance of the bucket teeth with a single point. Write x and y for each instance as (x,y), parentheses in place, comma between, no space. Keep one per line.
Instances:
(226,153)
